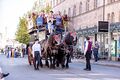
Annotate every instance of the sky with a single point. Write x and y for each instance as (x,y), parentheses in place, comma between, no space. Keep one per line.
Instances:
(10,11)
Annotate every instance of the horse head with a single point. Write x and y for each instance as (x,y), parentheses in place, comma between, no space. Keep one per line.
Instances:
(70,38)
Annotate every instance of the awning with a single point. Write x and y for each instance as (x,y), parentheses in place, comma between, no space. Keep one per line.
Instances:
(87,31)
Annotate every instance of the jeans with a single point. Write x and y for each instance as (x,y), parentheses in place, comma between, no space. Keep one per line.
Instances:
(96,56)
(37,59)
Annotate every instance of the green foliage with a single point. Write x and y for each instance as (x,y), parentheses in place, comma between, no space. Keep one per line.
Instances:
(22,34)
(48,9)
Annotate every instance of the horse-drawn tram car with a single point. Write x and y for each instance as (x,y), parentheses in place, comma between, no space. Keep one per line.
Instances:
(57,45)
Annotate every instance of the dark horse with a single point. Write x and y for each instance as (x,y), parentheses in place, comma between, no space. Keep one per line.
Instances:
(58,51)
(69,41)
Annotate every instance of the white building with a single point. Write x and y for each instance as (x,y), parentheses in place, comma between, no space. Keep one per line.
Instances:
(85,15)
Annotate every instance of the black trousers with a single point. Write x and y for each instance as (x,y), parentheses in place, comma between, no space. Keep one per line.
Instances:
(37,59)
(88,57)
(88,65)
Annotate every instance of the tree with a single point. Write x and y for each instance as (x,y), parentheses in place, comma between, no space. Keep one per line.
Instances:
(48,9)
(22,34)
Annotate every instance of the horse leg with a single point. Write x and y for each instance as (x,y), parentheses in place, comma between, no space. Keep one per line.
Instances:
(50,61)
(54,60)
(67,62)
(57,60)
(41,64)
(63,62)
(47,63)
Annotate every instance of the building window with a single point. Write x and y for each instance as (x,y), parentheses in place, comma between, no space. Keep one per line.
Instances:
(112,17)
(60,1)
(108,1)
(95,4)
(108,17)
(80,8)
(64,12)
(87,5)
(53,2)
(56,2)
(107,41)
(69,12)
(74,10)
(113,0)
(119,16)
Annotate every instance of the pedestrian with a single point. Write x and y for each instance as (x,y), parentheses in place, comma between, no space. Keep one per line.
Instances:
(36,51)
(2,75)
(87,53)
(50,29)
(9,52)
(95,51)
(40,20)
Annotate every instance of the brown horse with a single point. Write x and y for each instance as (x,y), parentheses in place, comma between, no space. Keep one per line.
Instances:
(50,49)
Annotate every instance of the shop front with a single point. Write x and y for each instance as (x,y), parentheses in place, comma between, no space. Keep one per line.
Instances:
(82,33)
(109,43)
(115,41)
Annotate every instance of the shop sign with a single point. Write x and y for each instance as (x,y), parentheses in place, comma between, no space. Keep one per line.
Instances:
(103,26)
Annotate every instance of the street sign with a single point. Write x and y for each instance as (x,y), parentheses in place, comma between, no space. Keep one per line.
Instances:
(102,26)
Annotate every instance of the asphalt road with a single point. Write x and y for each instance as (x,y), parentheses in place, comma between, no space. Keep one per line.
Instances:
(19,69)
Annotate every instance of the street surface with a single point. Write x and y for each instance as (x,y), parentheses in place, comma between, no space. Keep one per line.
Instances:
(19,69)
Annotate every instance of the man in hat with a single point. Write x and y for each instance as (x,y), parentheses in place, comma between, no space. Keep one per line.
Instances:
(87,53)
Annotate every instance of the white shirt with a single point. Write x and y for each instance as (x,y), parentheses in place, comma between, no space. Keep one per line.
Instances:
(36,47)
(86,47)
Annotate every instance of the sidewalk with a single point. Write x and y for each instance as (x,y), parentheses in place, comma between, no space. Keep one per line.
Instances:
(101,62)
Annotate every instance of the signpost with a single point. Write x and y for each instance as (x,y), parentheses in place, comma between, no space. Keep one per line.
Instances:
(102,26)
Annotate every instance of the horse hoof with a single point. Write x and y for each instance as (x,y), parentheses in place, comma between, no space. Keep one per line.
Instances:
(57,65)
(63,66)
(41,66)
(67,66)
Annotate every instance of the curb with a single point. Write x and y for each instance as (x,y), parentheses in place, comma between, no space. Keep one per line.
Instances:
(117,65)
(110,65)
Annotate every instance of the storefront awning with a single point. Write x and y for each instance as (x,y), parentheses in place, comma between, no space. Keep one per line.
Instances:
(115,26)
(87,31)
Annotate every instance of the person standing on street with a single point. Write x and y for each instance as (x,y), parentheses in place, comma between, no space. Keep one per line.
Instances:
(36,48)
(95,51)
(2,75)
(87,53)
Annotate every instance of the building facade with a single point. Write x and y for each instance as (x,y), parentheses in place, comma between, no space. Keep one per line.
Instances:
(85,15)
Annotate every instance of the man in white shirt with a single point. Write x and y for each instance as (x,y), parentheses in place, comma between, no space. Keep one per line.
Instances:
(87,53)
(36,51)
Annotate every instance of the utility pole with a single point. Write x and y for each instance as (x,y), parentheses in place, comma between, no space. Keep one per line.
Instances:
(102,35)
